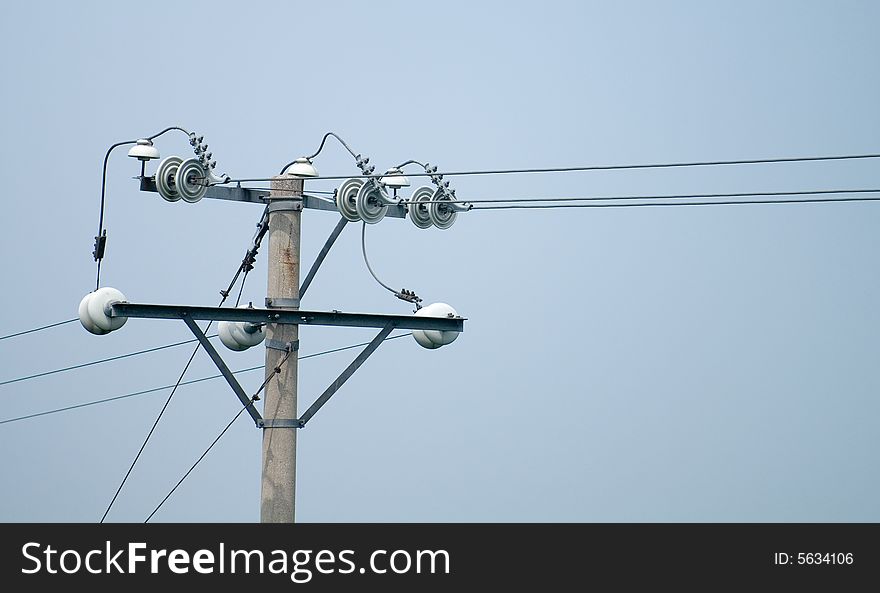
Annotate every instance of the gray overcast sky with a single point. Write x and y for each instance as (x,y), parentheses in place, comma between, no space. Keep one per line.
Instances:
(649,364)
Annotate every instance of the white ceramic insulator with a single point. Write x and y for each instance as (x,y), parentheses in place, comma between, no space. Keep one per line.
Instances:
(235,334)
(85,320)
(224,330)
(432,338)
(93,311)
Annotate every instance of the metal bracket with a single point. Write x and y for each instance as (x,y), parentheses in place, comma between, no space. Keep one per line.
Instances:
(279,423)
(283,346)
(285,204)
(283,303)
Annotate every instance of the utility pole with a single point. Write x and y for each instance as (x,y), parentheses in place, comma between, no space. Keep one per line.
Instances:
(433,326)
(278,486)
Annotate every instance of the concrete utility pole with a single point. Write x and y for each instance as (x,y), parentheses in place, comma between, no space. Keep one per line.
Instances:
(278,492)
(432,326)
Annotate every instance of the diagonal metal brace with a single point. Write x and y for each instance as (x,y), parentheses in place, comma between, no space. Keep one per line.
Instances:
(324,251)
(348,372)
(221,366)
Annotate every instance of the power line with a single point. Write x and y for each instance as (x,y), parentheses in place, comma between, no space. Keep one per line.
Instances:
(245,266)
(190,382)
(152,429)
(602,167)
(103,360)
(202,456)
(367,261)
(101,237)
(118,397)
(254,398)
(656,204)
(649,197)
(241,288)
(37,329)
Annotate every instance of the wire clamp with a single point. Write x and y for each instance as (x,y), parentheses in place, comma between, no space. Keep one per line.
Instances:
(100,245)
(409,296)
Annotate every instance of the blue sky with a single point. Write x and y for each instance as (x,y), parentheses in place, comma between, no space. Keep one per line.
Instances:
(648,364)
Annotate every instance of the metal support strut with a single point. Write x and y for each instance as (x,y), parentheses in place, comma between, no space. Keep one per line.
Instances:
(324,251)
(317,405)
(346,374)
(221,366)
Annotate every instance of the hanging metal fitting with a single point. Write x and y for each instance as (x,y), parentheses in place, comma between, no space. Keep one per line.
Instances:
(100,245)
(250,258)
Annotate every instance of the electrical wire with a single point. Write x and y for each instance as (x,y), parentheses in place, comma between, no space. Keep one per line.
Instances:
(199,460)
(583,168)
(649,197)
(190,382)
(253,398)
(367,261)
(124,396)
(245,266)
(250,256)
(37,329)
(154,136)
(241,288)
(101,238)
(103,360)
(152,429)
(658,204)
(409,162)
(324,139)
(317,152)
(269,189)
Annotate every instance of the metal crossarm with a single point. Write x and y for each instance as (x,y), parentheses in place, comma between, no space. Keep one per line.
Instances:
(289,316)
(261,196)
